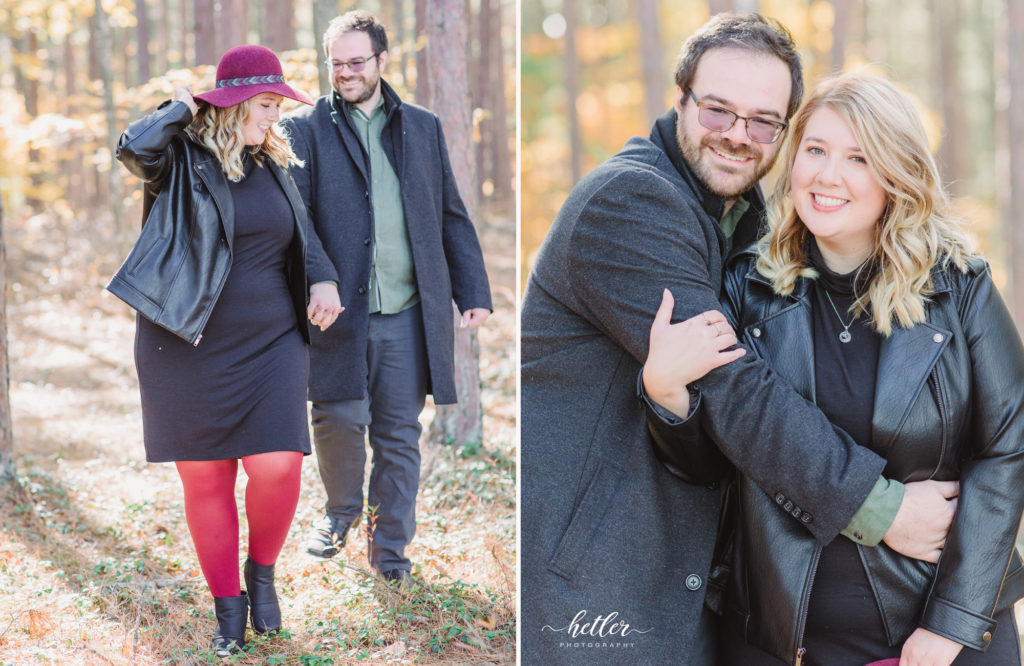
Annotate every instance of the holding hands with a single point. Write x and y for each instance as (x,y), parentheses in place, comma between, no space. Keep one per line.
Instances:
(324,305)
(683,353)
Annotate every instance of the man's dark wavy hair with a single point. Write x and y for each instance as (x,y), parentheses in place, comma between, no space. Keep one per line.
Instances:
(357,20)
(749,31)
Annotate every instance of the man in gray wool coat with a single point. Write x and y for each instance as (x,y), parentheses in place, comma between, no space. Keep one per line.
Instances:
(618,550)
(390,228)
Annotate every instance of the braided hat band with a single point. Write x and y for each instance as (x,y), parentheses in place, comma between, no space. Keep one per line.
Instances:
(250,81)
(247,71)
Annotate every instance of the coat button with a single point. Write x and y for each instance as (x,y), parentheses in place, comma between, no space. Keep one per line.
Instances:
(693,582)
(361,290)
(756,332)
(780,498)
(788,506)
(366,241)
(806,519)
(987,636)
(938,337)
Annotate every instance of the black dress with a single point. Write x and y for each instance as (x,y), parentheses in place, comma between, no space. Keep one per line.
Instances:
(242,389)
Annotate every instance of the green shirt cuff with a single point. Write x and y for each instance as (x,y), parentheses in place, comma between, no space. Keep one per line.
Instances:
(874,517)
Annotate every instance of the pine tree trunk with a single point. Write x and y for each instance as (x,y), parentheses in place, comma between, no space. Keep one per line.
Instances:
(1012,136)
(323,12)
(279,25)
(142,33)
(501,156)
(572,91)
(6,427)
(203,33)
(446,33)
(423,88)
(113,176)
(646,12)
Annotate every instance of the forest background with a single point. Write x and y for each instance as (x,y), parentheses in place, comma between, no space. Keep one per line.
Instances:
(596,73)
(96,564)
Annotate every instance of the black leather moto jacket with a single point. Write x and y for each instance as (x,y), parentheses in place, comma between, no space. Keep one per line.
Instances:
(949,404)
(177,268)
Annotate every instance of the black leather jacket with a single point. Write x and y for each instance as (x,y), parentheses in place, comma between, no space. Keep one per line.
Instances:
(949,404)
(177,268)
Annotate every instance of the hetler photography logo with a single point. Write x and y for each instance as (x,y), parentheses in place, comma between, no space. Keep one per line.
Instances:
(604,631)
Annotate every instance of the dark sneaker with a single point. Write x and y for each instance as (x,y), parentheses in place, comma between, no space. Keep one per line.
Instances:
(400,579)
(328,537)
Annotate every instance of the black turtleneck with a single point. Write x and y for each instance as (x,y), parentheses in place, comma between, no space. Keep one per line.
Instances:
(844,373)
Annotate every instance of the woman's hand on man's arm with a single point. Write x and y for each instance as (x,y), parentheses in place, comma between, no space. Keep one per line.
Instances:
(682,353)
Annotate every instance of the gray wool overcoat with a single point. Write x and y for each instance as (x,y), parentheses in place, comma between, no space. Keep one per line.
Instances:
(446,253)
(616,551)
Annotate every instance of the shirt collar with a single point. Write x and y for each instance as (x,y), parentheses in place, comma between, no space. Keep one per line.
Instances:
(358,112)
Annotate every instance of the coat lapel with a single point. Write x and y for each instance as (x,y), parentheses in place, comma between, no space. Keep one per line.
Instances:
(217,184)
(348,137)
(905,360)
(777,336)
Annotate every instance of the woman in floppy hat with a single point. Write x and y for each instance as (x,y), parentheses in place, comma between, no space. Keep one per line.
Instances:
(218,278)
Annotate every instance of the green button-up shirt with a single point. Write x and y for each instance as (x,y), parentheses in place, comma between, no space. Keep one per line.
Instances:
(392,277)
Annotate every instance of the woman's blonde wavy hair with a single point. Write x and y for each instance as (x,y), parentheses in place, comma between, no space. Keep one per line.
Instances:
(916,229)
(219,129)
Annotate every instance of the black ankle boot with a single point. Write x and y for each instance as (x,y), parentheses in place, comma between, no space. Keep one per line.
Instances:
(263,606)
(230,635)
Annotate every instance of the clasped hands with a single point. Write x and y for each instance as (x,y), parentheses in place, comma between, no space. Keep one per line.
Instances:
(324,305)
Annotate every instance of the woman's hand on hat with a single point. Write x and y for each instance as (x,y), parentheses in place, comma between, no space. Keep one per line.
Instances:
(324,304)
(184,94)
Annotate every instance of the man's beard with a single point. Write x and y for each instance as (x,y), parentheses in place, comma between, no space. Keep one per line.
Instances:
(696,155)
(369,87)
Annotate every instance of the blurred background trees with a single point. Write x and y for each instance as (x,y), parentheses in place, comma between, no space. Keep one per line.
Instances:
(74,73)
(69,66)
(596,73)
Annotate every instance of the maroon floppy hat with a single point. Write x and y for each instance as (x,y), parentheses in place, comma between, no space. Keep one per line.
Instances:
(247,71)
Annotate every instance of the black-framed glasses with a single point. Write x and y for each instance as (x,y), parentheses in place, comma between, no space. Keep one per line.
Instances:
(718,119)
(356,65)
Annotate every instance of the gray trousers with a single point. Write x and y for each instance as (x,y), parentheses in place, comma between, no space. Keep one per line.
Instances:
(389,409)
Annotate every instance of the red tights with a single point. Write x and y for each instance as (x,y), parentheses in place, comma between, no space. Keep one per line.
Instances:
(271,496)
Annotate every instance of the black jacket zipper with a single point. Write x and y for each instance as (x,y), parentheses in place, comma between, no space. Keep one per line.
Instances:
(933,380)
(805,603)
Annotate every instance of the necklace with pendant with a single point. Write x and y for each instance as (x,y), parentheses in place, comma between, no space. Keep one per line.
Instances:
(844,336)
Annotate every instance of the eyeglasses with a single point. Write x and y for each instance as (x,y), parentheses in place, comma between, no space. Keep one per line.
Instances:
(717,119)
(356,65)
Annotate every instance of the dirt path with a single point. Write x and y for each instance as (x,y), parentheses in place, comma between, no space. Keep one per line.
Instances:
(96,565)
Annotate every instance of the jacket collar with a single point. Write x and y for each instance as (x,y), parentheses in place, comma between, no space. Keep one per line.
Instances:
(940,283)
(207,168)
(905,358)
(341,116)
